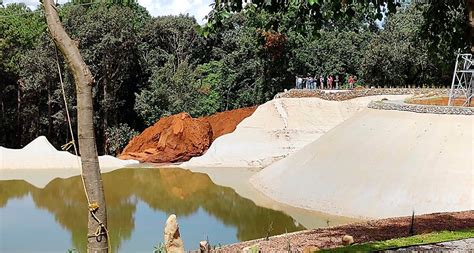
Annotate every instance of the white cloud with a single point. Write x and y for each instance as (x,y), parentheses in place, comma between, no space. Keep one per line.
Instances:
(197,8)
(30,3)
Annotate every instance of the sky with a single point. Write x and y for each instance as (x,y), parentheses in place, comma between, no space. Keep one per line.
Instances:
(197,8)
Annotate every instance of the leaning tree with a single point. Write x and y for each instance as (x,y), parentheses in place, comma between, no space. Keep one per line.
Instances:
(97,237)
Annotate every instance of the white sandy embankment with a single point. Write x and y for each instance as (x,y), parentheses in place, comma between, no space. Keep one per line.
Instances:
(278,128)
(380,164)
(39,162)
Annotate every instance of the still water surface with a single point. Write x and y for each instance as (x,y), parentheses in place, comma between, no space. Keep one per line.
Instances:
(54,219)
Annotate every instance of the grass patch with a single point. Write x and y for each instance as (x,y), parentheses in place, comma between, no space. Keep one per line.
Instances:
(434,237)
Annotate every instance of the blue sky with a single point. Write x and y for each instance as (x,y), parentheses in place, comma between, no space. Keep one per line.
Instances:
(196,8)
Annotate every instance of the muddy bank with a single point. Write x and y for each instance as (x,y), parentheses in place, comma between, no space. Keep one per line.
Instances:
(374,230)
(179,137)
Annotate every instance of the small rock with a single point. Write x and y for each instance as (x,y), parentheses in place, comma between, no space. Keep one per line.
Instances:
(347,240)
(310,249)
(173,241)
(204,247)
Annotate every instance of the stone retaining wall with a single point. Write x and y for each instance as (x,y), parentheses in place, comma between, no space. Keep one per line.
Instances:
(345,95)
(388,105)
(384,105)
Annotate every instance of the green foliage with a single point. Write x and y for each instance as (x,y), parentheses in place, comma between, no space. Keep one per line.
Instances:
(171,91)
(400,54)
(42,104)
(160,248)
(331,53)
(118,137)
(123,2)
(19,31)
(446,32)
(209,79)
(434,237)
(149,67)
(108,40)
(304,14)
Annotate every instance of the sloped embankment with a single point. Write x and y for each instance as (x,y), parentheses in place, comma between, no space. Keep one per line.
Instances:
(179,137)
(380,164)
(278,128)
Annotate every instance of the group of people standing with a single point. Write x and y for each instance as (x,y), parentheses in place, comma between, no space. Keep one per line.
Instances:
(329,82)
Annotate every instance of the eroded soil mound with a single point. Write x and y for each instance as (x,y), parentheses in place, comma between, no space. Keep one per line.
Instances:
(175,138)
(179,137)
(226,122)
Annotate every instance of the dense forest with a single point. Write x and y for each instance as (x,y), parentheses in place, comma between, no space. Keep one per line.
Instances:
(148,67)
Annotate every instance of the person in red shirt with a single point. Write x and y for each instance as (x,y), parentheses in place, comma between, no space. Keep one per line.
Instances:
(330,80)
(351,82)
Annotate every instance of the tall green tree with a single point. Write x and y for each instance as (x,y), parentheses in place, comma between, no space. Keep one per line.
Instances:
(106,33)
(405,52)
(19,31)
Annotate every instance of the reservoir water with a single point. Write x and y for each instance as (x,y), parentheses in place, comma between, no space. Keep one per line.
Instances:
(53,218)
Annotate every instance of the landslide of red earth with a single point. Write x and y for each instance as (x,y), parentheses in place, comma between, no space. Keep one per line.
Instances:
(226,122)
(175,138)
(179,137)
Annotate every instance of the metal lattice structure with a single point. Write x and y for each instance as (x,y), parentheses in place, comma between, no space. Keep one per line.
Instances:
(463,78)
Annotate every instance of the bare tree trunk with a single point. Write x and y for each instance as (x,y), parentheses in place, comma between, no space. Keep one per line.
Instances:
(470,6)
(50,113)
(19,125)
(87,145)
(105,116)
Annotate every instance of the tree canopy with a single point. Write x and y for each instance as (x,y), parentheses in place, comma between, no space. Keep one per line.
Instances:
(148,67)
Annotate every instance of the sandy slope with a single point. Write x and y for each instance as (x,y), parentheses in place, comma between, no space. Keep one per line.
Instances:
(40,154)
(380,164)
(278,128)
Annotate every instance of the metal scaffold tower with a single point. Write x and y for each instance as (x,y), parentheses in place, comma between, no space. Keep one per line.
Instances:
(463,78)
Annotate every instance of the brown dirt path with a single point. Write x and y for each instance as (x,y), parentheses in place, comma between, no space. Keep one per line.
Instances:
(375,230)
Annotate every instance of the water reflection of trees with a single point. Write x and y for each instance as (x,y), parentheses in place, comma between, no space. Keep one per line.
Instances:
(168,190)
(13,189)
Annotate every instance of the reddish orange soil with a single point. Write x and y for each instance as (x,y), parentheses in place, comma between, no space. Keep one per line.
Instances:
(226,122)
(368,231)
(175,138)
(179,137)
(435,101)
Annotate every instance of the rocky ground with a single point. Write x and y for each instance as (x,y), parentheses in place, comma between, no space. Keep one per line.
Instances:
(421,108)
(368,231)
(466,245)
(360,92)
